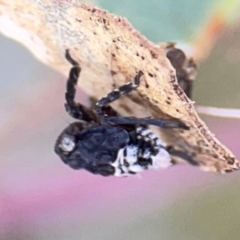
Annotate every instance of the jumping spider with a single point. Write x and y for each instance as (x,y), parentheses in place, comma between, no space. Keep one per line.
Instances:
(103,142)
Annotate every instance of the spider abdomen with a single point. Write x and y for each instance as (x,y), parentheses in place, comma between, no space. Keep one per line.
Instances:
(144,151)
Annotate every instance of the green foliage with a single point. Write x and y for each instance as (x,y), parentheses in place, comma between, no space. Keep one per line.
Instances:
(165,20)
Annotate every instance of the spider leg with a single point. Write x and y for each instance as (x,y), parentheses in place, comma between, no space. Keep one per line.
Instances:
(106,110)
(162,123)
(116,120)
(73,108)
(116,94)
(186,69)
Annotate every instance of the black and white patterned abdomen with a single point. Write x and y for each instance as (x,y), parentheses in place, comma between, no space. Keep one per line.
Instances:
(144,151)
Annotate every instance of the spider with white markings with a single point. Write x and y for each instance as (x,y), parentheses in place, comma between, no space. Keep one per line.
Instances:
(102,142)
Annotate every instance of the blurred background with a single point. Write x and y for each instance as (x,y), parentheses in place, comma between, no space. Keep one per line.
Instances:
(41,198)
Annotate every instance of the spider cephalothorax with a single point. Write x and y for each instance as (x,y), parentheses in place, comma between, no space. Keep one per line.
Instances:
(110,144)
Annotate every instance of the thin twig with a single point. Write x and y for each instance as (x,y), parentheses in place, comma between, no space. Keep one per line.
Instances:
(219,112)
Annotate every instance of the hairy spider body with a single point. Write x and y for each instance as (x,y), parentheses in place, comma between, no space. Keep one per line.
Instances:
(109,150)
(110,145)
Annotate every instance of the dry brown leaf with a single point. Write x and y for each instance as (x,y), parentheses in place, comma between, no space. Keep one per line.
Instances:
(111,52)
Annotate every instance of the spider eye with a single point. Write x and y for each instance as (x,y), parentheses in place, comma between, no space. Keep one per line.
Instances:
(67,143)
